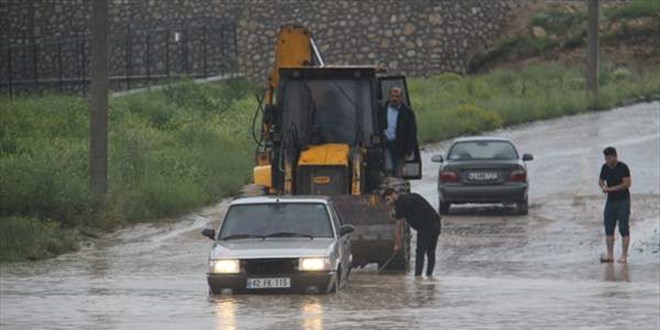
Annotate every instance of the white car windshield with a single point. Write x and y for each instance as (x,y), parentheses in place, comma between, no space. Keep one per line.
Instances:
(276,220)
(483,150)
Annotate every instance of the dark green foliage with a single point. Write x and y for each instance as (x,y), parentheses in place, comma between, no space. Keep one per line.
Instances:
(634,9)
(449,105)
(560,22)
(577,40)
(24,238)
(208,99)
(565,28)
(166,156)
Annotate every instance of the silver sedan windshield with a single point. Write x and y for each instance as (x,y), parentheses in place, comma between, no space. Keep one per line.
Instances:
(276,220)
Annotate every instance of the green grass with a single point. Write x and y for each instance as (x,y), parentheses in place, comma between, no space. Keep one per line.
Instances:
(449,105)
(190,145)
(566,29)
(560,22)
(24,238)
(169,152)
(511,49)
(563,29)
(634,9)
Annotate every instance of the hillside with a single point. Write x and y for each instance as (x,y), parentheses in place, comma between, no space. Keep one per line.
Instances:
(557,31)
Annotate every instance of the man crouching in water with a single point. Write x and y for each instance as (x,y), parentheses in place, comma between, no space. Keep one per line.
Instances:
(423,218)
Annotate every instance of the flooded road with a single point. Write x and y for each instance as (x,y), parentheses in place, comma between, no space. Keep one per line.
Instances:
(495,269)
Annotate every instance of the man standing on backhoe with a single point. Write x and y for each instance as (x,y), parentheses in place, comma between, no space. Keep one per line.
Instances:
(400,128)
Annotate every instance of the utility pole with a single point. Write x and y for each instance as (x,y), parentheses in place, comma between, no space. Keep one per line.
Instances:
(592,49)
(98,143)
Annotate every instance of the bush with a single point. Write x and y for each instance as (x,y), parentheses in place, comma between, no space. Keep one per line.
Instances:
(474,120)
(208,98)
(505,97)
(24,238)
(560,22)
(575,41)
(165,158)
(634,9)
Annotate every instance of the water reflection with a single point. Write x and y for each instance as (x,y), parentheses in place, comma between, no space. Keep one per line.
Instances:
(226,313)
(422,292)
(618,273)
(312,313)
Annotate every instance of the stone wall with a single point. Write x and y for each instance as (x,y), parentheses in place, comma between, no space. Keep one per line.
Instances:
(414,37)
(418,37)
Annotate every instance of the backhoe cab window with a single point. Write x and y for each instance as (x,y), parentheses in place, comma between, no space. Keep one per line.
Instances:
(327,111)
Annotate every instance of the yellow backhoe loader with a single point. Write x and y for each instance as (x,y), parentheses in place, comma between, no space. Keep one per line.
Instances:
(321,135)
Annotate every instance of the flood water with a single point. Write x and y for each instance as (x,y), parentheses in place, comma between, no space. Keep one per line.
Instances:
(494,269)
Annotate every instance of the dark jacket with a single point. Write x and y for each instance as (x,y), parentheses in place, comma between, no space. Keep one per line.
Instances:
(406,129)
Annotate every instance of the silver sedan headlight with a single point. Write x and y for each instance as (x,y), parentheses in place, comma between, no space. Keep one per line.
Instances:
(224,266)
(314,264)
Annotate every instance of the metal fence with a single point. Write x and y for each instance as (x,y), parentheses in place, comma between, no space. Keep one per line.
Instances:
(136,58)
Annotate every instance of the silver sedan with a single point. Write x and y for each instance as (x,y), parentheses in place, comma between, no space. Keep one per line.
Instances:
(483,170)
(280,244)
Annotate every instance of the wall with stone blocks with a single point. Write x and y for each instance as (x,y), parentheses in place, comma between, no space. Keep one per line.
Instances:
(413,37)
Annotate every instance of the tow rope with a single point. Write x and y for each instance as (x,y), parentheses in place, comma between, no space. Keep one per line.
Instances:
(387,262)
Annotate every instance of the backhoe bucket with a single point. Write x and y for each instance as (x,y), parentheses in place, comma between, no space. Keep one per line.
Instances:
(374,235)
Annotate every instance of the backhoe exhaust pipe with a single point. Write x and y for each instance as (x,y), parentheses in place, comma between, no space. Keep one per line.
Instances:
(317,53)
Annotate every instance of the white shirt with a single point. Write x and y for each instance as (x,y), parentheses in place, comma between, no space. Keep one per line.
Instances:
(392,116)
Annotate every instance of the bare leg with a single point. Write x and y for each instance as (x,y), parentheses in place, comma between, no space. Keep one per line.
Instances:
(609,241)
(625,241)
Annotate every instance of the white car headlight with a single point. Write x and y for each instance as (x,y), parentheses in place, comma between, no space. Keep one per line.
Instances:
(224,266)
(314,264)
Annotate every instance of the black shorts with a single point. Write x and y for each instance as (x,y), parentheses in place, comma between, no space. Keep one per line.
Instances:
(617,211)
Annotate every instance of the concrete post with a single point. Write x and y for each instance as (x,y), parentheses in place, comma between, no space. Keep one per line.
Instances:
(592,49)
(98,145)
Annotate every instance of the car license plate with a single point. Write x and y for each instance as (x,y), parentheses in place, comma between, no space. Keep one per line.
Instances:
(268,282)
(482,176)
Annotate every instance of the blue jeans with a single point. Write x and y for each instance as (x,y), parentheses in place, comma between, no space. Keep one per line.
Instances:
(617,211)
(393,164)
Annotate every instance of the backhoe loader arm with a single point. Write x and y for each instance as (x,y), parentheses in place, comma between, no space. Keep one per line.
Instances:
(294,48)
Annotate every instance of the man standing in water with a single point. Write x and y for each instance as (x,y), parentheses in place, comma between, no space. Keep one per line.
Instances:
(423,218)
(615,181)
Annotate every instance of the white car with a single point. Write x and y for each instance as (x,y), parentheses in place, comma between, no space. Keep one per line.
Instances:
(280,244)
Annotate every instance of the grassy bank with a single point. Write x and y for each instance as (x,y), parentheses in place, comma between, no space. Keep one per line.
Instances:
(450,105)
(190,145)
(558,32)
(169,152)
(28,238)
